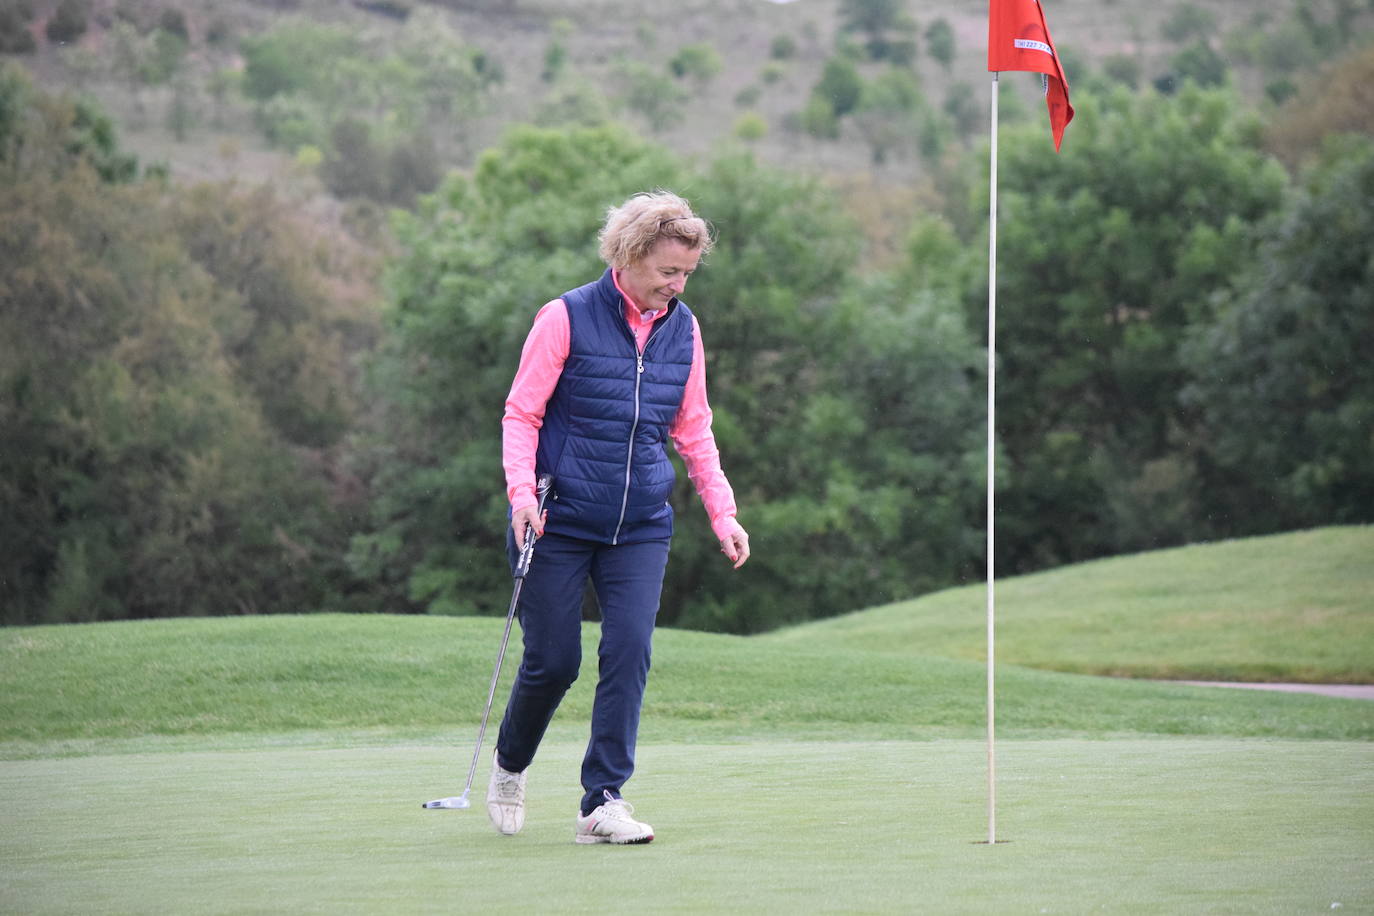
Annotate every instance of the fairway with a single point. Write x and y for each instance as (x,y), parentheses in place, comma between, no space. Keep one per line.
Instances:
(1148,826)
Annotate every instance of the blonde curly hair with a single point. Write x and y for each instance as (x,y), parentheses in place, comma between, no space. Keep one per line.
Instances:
(633,229)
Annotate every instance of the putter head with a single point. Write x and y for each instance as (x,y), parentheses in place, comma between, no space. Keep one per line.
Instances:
(452,803)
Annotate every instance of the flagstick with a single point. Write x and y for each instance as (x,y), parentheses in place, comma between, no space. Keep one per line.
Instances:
(992,425)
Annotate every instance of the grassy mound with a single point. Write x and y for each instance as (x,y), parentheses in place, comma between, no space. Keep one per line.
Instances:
(1292,607)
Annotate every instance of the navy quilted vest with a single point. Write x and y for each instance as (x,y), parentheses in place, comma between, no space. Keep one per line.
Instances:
(606,423)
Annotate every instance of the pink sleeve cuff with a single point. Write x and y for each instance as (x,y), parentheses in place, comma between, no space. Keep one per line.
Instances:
(725,526)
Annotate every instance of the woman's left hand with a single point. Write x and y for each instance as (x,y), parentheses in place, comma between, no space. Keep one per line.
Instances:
(736,547)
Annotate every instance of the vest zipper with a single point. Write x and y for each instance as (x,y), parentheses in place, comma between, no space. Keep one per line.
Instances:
(630,452)
(634,427)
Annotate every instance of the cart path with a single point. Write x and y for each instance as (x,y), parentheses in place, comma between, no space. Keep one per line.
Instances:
(1348,691)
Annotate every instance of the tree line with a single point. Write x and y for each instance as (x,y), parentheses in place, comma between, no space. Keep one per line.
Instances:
(201,416)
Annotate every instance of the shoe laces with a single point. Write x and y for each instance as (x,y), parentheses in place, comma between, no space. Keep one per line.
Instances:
(508,785)
(617,808)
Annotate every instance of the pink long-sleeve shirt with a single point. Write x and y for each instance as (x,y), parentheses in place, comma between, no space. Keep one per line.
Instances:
(541,365)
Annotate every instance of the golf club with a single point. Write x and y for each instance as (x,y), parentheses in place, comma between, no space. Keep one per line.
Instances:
(522,566)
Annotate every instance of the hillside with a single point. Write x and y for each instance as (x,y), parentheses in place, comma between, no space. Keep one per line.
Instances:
(750,69)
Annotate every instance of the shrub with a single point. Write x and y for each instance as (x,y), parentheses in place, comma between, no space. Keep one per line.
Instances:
(748,97)
(1188,21)
(750,127)
(818,119)
(555,59)
(1199,63)
(1280,90)
(353,166)
(783,47)
(173,22)
(289,121)
(166,53)
(652,94)
(840,86)
(295,57)
(412,168)
(940,42)
(700,62)
(963,109)
(15,37)
(68,22)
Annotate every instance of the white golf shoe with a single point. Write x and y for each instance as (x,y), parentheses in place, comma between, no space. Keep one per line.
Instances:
(505,798)
(611,823)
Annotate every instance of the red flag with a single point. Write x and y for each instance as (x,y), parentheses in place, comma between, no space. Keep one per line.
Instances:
(1018,39)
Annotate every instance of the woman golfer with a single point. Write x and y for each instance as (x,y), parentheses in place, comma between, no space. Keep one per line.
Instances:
(608,372)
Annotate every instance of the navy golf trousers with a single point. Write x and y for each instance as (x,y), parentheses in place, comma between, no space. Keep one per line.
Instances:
(628,580)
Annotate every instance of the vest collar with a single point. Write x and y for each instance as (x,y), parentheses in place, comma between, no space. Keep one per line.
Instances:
(610,292)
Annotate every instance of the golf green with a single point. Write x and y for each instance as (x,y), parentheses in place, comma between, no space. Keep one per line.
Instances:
(1126,825)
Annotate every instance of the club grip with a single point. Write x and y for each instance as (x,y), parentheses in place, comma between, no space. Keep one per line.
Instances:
(542,487)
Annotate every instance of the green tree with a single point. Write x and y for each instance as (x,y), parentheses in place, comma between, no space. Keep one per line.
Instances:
(138,475)
(555,59)
(173,22)
(307,77)
(15,37)
(1187,21)
(43,135)
(750,127)
(574,102)
(963,109)
(295,57)
(168,52)
(818,119)
(652,94)
(68,21)
(840,86)
(1199,63)
(890,114)
(885,25)
(699,62)
(412,168)
(354,166)
(137,481)
(782,47)
(1283,377)
(436,79)
(290,121)
(292,319)
(940,42)
(1106,255)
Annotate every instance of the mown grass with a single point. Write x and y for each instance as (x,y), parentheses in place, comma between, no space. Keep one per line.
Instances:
(1133,826)
(1292,607)
(277,764)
